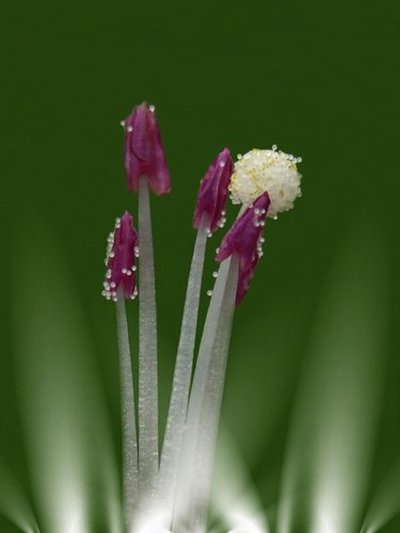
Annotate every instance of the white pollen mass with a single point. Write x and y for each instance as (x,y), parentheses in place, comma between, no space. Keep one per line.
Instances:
(271,171)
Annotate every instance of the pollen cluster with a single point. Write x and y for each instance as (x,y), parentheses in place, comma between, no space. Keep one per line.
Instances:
(271,171)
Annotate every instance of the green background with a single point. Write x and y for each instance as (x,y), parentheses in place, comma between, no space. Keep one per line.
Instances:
(319,79)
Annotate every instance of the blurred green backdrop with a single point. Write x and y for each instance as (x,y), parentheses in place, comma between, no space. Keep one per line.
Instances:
(320,79)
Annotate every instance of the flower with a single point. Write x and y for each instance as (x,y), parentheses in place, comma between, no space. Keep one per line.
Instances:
(245,240)
(170,487)
(271,171)
(120,260)
(213,192)
(144,152)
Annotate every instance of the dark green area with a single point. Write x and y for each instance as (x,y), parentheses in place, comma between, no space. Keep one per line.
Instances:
(320,79)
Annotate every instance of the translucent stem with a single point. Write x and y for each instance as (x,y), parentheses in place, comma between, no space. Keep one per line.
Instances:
(173,438)
(129,437)
(205,401)
(148,387)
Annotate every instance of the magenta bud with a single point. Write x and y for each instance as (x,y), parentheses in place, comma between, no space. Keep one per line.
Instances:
(244,240)
(213,192)
(120,260)
(144,152)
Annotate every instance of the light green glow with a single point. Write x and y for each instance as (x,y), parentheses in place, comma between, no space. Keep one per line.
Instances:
(234,497)
(332,433)
(13,503)
(386,502)
(63,414)
(334,425)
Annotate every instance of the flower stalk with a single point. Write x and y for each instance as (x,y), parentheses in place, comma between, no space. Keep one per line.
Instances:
(148,364)
(206,399)
(183,372)
(130,489)
(208,216)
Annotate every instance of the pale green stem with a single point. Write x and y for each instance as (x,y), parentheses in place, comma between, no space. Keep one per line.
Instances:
(173,438)
(129,437)
(148,379)
(205,399)
(209,416)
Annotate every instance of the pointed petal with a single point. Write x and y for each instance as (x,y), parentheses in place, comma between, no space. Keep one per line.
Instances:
(144,152)
(120,260)
(244,240)
(213,191)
